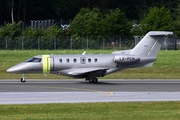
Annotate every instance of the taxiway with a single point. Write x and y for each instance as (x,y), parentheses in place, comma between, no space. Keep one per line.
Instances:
(73,91)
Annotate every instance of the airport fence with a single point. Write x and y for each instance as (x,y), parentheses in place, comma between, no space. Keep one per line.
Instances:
(69,42)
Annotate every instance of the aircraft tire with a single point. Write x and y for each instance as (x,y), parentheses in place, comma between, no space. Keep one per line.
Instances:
(92,80)
(87,79)
(23,80)
(95,80)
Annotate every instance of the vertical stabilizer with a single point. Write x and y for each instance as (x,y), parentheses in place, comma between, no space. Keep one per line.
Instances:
(150,44)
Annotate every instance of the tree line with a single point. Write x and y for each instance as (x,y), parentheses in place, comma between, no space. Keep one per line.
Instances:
(92,18)
(26,10)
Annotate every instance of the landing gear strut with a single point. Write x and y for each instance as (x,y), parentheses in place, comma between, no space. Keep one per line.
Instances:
(23,79)
(92,80)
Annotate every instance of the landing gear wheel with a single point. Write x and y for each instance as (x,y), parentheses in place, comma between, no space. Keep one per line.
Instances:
(92,80)
(87,79)
(23,80)
(95,80)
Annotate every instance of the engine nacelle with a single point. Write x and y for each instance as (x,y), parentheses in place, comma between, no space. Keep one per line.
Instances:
(126,58)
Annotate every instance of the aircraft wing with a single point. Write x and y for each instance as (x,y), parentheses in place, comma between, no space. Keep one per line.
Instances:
(82,71)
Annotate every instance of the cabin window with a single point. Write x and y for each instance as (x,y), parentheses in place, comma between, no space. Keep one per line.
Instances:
(83,60)
(89,60)
(95,60)
(67,60)
(60,60)
(75,60)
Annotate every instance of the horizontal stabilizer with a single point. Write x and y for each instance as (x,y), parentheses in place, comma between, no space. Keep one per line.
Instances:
(159,33)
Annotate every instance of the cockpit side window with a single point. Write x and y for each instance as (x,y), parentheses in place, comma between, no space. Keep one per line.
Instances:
(34,60)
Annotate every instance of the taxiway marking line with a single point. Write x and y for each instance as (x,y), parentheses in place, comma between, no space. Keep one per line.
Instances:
(80,89)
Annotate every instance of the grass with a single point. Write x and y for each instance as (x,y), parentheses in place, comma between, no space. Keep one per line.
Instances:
(93,111)
(167,65)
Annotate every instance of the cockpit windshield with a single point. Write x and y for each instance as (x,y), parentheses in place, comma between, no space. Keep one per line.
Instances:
(34,60)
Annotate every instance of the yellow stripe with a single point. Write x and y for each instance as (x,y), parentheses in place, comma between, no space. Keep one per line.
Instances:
(46,63)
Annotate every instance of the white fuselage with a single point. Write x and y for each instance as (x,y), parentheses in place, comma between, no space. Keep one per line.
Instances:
(80,65)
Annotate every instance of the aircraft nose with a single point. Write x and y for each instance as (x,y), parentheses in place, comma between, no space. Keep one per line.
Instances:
(17,68)
(9,70)
(12,69)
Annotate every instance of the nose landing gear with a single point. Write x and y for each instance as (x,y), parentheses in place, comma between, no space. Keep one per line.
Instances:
(23,79)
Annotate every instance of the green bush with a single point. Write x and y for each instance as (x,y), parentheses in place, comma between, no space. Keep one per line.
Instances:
(11,30)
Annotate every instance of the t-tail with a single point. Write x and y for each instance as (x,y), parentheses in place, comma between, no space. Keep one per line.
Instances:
(144,53)
(151,43)
(149,47)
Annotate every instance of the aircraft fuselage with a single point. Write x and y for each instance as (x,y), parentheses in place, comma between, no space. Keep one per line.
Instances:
(79,65)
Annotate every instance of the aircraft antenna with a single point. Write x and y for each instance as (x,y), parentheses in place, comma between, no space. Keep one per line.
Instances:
(84,53)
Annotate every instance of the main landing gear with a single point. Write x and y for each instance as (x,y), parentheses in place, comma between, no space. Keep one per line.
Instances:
(23,79)
(92,80)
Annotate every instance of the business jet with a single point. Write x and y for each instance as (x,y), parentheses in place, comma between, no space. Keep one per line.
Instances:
(91,66)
